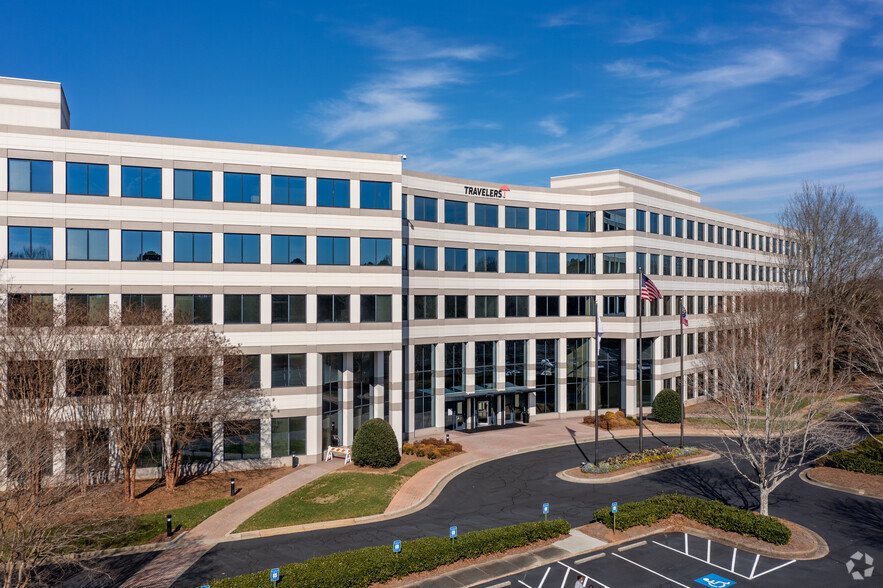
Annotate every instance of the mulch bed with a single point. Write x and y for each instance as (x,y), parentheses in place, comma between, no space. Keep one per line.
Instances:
(803,544)
(870,484)
(577,473)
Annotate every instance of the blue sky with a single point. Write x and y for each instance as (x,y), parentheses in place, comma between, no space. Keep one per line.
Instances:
(739,101)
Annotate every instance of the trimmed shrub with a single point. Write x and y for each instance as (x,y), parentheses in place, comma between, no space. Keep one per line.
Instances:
(667,406)
(375,445)
(618,462)
(375,565)
(707,512)
(865,458)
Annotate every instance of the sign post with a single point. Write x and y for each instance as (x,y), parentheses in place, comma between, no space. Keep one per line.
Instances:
(397,546)
(613,509)
(274,575)
(546,511)
(453,533)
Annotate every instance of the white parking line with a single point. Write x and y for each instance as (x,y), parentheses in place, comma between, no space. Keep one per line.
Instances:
(705,562)
(649,570)
(588,577)
(772,569)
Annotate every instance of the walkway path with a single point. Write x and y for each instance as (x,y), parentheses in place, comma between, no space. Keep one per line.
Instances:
(416,493)
(167,566)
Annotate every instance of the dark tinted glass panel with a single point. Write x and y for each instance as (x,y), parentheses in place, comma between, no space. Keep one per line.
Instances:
(333,250)
(425,209)
(141,182)
(547,263)
(516,262)
(516,217)
(288,249)
(486,260)
(547,219)
(30,243)
(193,185)
(455,212)
(486,215)
(376,251)
(614,220)
(193,308)
(455,260)
(193,247)
(333,193)
(87,244)
(375,195)
(142,246)
(291,190)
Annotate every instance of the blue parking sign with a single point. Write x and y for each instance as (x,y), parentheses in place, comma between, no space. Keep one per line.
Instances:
(715,581)
(453,532)
(545,508)
(615,507)
(396,546)
(274,575)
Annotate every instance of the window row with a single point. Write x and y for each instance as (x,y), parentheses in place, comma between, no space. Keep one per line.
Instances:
(516,262)
(457,306)
(708,268)
(456,212)
(27,175)
(92,245)
(701,231)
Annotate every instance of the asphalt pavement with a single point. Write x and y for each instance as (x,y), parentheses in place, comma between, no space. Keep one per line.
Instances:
(513,489)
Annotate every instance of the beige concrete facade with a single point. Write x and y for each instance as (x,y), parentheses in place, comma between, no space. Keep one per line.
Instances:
(34,123)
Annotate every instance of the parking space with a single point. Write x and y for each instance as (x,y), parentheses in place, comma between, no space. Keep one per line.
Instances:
(673,559)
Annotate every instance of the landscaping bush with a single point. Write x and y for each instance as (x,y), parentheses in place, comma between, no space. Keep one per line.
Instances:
(375,445)
(865,458)
(667,406)
(618,462)
(370,565)
(707,512)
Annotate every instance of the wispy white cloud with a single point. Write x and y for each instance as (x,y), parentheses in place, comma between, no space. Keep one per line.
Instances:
(637,31)
(567,96)
(414,44)
(551,125)
(565,18)
(635,68)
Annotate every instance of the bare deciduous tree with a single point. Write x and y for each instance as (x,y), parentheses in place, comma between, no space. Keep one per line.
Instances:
(775,406)
(836,251)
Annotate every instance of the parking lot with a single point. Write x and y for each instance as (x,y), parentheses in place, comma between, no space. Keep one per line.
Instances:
(672,559)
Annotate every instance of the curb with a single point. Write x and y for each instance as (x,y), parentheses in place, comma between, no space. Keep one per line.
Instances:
(642,472)
(806,477)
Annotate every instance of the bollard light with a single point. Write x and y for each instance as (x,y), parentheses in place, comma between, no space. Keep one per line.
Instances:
(447,438)
(232,486)
(168,525)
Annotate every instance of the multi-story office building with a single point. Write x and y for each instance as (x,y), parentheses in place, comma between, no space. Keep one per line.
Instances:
(358,289)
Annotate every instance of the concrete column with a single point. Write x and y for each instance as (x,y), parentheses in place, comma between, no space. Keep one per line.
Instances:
(217,442)
(561,368)
(469,365)
(59,177)
(439,400)
(378,393)
(346,401)
(266,189)
(217,186)
(401,413)
(266,438)
(115,180)
(314,418)
(168,183)
(311,191)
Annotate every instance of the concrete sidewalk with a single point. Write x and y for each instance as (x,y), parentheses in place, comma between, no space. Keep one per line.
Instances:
(419,491)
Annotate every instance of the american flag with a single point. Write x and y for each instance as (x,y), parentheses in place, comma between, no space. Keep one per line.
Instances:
(649,291)
(684,320)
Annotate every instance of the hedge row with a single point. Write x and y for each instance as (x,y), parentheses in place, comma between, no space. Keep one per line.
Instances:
(363,567)
(866,459)
(707,512)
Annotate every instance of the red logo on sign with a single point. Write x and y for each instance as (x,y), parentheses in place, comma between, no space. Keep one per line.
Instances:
(504,189)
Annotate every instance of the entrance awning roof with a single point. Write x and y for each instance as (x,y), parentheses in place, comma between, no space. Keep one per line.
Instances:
(488,393)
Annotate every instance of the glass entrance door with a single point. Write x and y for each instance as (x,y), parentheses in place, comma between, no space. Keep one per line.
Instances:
(455,415)
(482,412)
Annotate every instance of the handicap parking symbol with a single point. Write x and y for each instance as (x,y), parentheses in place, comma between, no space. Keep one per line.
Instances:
(715,581)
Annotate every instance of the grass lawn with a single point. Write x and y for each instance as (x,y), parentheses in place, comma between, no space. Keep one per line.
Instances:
(341,495)
(145,527)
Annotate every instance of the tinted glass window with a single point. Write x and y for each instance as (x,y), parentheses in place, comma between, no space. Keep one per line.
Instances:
(242,248)
(516,262)
(455,212)
(333,308)
(193,185)
(28,175)
(547,219)
(375,195)
(333,250)
(456,307)
(142,245)
(242,308)
(516,217)
(614,220)
(425,258)
(376,308)
(288,369)
(87,178)
(517,306)
(87,244)
(614,306)
(614,263)
(486,260)
(288,249)
(141,182)
(581,263)
(291,190)
(242,187)
(547,263)
(288,308)
(486,215)
(486,307)
(666,224)
(548,306)
(425,307)
(376,251)
(455,260)
(333,193)
(581,221)
(193,247)
(30,243)
(193,309)
(425,209)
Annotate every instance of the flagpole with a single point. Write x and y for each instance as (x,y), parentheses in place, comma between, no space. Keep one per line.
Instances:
(683,382)
(595,394)
(640,360)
